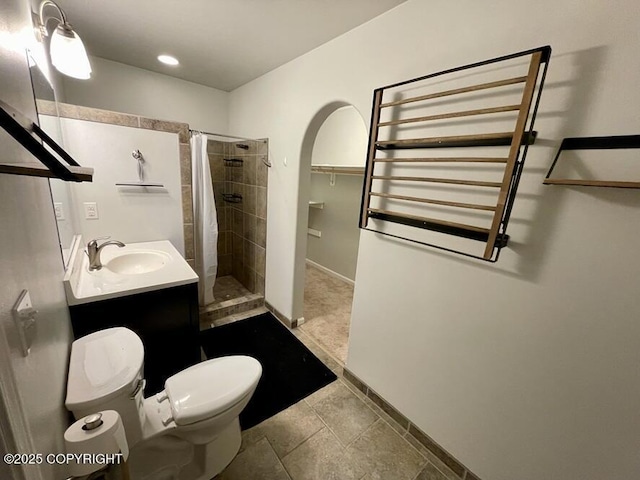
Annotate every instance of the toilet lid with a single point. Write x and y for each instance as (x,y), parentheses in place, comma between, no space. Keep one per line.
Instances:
(211,387)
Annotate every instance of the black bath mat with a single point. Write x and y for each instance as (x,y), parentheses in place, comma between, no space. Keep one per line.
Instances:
(290,372)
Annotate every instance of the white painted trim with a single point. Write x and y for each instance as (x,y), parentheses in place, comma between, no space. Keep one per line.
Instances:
(330,272)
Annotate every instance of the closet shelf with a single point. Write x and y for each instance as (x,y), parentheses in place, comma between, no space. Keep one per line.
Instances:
(23,130)
(336,169)
(318,205)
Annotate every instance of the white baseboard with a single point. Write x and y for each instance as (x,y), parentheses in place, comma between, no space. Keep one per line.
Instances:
(330,272)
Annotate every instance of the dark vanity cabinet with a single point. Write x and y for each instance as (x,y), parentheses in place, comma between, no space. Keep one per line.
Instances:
(166,320)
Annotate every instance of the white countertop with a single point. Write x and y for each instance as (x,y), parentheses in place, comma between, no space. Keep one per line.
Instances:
(82,286)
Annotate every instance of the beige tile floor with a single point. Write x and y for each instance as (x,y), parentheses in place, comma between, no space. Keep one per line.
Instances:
(334,434)
(327,311)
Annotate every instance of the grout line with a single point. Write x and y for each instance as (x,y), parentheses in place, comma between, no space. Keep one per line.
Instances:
(286,472)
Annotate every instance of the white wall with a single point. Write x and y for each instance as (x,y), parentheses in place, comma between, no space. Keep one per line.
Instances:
(528,368)
(121,88)
(32,413)
(337,248)
(128,214)
(341,140)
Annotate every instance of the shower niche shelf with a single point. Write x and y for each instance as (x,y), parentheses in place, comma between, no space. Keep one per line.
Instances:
(232,197)
(428,199)
(233,162)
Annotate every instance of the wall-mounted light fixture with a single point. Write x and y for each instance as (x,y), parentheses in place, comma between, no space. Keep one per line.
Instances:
(67,51)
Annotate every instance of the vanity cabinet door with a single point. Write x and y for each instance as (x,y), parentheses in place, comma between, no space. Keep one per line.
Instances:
(166,321)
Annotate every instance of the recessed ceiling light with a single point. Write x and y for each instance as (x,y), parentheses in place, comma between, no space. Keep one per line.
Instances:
(168,60)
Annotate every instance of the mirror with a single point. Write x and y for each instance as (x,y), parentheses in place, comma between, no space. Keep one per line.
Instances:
(50,122)
(341,140)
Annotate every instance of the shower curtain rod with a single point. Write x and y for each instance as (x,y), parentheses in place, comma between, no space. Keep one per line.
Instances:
(219,134)
(264,159)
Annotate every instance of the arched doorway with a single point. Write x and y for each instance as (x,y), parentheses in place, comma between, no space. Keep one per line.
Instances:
(332,170)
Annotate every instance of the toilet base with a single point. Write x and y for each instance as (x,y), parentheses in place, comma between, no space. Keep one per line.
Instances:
(212,458)
(168,457)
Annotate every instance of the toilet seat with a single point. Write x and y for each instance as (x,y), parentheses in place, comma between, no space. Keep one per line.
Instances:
(210,388)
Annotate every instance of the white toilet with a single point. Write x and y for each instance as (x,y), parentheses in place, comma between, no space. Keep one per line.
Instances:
(188,431)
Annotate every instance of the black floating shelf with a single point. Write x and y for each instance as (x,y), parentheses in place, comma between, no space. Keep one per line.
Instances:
(232,197)
(501,241)
(490,140)
(233,162)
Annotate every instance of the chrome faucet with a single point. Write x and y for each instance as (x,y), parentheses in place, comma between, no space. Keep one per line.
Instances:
(93,250)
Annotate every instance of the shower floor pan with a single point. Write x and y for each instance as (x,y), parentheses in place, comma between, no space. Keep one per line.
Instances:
(231,299)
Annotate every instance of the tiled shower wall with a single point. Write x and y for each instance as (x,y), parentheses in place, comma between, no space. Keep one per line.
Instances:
(242,226)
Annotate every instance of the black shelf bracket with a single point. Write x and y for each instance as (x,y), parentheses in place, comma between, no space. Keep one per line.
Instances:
(25,132)
(593,143)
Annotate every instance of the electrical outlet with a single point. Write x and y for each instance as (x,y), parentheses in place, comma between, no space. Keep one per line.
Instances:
(90,210)
(24,316)
(57,207)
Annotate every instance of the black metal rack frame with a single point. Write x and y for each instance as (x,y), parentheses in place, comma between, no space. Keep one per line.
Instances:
(518,140)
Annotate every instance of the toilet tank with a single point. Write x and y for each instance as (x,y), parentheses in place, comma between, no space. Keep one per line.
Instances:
(106,373)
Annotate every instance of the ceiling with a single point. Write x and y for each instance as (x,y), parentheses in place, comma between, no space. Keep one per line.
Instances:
(219,43)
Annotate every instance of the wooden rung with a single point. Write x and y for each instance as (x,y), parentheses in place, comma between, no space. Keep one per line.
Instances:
(473,206)
(464,226)
(465,113)
(442,160)
(473,183)
(478,140)
(591,183)
(456,91)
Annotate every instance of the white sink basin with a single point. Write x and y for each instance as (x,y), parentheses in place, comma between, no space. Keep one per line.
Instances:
(135,268)
(135,263)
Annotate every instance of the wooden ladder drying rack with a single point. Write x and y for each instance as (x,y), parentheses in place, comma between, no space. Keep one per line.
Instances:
(518,139)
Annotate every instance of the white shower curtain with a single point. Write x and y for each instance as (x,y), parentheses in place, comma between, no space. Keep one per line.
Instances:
(205,219)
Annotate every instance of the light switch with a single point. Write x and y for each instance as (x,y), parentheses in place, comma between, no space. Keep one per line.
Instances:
(90,210)
(57,207)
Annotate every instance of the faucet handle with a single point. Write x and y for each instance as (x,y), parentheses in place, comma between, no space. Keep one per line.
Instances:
(95,240)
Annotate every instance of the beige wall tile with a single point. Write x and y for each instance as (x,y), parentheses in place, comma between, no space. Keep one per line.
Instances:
(262,171)
(215,146)
(249,170)
(250,228)
(249,199)
(249,254)
(97,115)
(261,202)
(260,260)
(238,222)
(182,129)
(187,204)
(216,163)
(261,232)
(189,248)
(185,164)
(260,284)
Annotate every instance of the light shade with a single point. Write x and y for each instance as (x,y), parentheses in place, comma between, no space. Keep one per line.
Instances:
(68,54)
